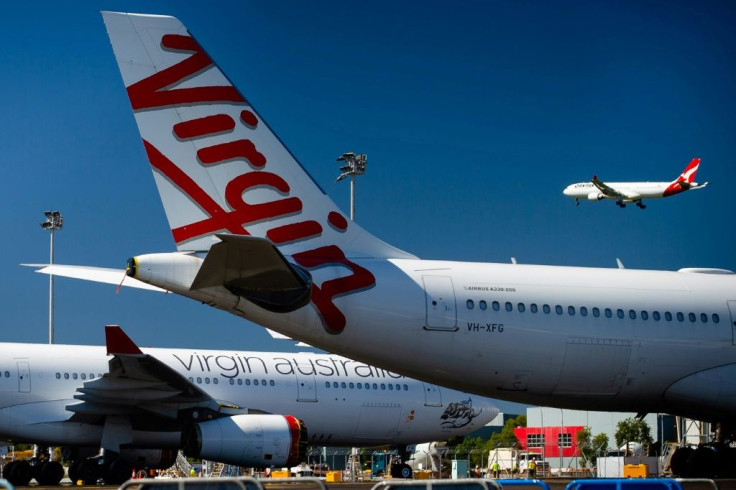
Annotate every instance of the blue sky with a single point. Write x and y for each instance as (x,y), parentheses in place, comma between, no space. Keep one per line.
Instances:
(474,116)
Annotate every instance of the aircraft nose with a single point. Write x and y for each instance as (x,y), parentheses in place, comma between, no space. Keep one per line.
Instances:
(567,191)
(489,409)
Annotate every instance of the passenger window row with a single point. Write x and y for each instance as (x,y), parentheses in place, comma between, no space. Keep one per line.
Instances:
(367,386)
(247,382)
(82,376)
(596,312)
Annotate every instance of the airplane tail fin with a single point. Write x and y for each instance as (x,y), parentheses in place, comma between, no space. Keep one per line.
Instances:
(686,180)
(218,166)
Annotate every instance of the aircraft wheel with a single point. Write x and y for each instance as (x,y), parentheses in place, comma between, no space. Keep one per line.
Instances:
(90,471)
(703,462)
(20,473)
(678,463)
(51,473)
(118,472)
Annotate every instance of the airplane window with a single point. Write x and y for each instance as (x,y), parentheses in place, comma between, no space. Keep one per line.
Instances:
(199,380)
(558,309)
(406,388)
(668,316)
(596,312)
(343,385)
(655,315)
(716,318)
(546,310)
(691,317)
(704,318)
(334,384)
(91,376)
(632,314)
(620,313)
(351,385)
(608,312)
(263,382)
(240,381)
(206,381)
(390,386)
(247,382)
(375,386)
(509,306)
(367,386)
(533,307)
(644,315)
(470,304)
(383,386)
(327,384)
(84,376)
(74,376)
(583,311)
(66,375)
(191,380)
(496,306)
(232,381)
(521,307)
(482,304)
(571,310)
(215,381)
(272,383)
(58,375)
(360,386)
(680,316)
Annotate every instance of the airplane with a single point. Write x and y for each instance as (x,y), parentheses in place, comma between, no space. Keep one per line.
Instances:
(143,404)
(628,192)
(257,237)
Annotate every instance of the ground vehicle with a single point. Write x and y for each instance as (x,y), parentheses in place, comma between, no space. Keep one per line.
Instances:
(389,463)
(513,460)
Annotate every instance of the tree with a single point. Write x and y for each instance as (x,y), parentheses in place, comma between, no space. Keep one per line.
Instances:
(507,438)
(590,449)
(632,430)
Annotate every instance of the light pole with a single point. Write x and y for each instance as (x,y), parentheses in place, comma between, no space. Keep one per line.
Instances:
(53,222)
(354,166)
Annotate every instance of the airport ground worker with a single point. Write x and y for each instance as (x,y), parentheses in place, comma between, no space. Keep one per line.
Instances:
(495,468)
(532,467)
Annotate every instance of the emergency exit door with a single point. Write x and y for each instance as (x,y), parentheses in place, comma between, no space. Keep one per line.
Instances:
(24,377)
(441,311)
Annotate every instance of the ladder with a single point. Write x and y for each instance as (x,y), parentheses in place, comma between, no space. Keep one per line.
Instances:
(666,459)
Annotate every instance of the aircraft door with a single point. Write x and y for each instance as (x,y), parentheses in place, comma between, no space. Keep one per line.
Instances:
(441,311)
(732,310)
(24,377)
(432,396)
(306,384)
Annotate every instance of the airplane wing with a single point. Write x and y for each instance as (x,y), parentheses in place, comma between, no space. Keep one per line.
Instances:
(95,274)
(611,192)
(138,384)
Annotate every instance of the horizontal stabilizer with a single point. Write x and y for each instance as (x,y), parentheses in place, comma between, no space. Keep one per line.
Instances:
(94,274)
(255,269)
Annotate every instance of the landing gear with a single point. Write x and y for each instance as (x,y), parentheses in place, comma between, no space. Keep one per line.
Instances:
(710,460)
(620,203)
(577,202)
(641,205)
(401,470)
(18,473)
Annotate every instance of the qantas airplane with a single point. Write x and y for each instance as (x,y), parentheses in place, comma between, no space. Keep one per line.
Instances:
(257,237)
(627,192)
(141,405)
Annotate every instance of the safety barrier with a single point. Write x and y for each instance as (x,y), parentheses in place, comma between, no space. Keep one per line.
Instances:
(625,484)
(459,484)
(523,483)
(216,483)
(6,484)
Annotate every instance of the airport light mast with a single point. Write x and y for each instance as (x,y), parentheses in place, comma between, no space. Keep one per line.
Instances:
(354,166)
(53,222)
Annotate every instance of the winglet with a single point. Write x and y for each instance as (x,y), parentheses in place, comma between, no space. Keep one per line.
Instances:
(118,341)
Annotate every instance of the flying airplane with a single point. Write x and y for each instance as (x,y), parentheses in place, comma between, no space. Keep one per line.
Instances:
(142,405)
(257,237)
(627,192)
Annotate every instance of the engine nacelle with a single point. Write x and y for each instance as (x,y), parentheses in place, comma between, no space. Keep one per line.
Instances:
(596,196)
(172,271)
(248,440)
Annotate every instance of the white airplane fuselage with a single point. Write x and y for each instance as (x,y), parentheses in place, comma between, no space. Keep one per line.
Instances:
(642,190)
(342,402)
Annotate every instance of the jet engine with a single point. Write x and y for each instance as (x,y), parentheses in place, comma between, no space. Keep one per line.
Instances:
(248,440)
(596,196)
